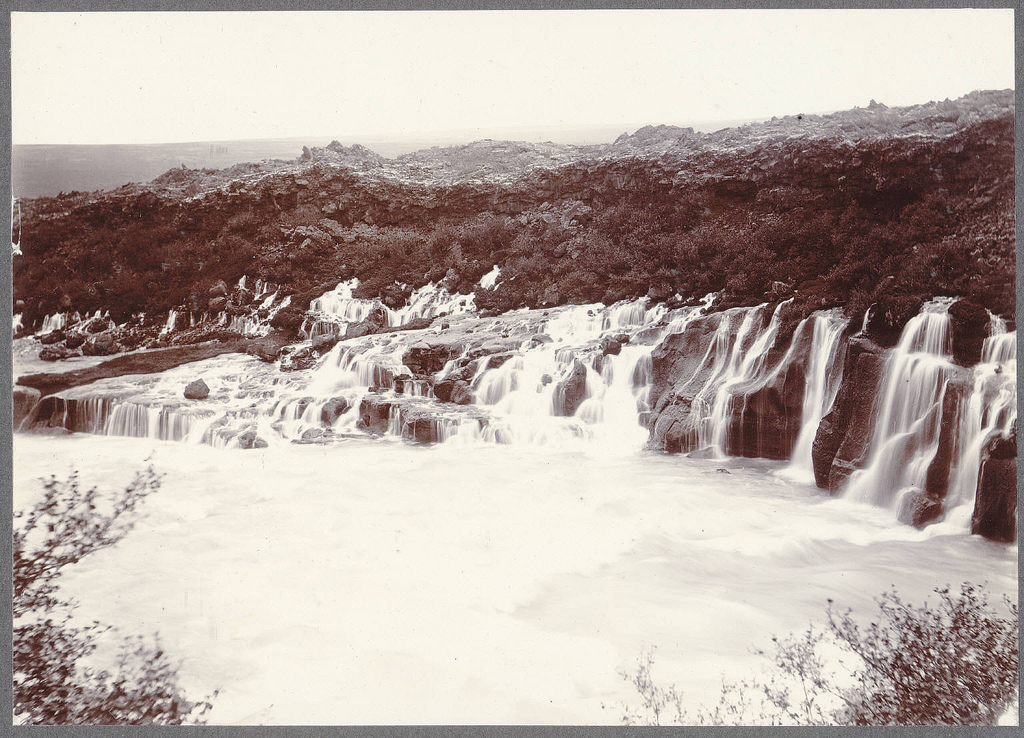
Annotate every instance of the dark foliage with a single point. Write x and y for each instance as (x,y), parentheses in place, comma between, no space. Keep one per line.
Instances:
(52,683)
(831,223)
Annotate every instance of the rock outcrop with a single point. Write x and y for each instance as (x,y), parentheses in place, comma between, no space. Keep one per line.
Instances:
(844,435)
(995,505)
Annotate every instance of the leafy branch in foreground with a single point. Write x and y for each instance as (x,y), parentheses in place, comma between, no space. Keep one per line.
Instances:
(952,664)
(52,686)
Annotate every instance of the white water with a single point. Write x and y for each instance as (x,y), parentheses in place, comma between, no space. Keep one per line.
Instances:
(507,574)
(907,422)
(824,375)
(372,582)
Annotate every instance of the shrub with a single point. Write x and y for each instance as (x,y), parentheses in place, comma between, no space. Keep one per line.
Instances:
(52,685)
(952,664)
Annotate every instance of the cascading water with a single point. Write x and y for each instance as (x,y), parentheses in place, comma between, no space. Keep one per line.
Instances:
(824,375)
(906,430)
(990,411)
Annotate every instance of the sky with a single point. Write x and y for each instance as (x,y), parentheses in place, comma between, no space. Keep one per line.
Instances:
(186,76)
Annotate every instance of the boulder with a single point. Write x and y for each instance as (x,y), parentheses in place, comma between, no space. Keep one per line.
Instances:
(611,346)
(312,435)
(219,290)
(56,353)
(968,324)
(443,389)
(100,346)
(461,394)
(217,304)
(74,340)
(571,391)
(539,338)
(196,390)
(333,409)
(249,440)
(51,338)
(995,505)
(96,325)
(374,414)
(325,342)
(423,358)
(918,508)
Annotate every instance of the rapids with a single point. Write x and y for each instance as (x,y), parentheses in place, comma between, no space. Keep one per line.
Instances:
(378,582)
(505,571)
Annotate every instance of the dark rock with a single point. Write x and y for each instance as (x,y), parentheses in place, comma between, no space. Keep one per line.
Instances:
(611,346)
(461,393)
(96,325)
(374,414)
(74,340)
(333,409)
(918,508)
(217,304)
(324,343)
(100,346)
(995,505)
(25,400)
(316,434)
(51,338)
(443,389)
(423,358)
(571,391)
(969,324)
(889,316)
(765,421)
(248,440)
(539,338)
(264,352)
(220,289)
(197,390)
(936,485)
(844,434)
(297,360)
(659,293)
(545,380)
(288,319)
(56,353)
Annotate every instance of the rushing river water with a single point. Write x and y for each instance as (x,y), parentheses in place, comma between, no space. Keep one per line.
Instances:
(512,568)
(374,581)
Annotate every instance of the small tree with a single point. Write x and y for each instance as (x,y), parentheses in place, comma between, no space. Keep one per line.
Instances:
(51,684)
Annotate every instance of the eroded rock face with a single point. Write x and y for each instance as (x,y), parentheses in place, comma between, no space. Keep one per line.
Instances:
(995,505)
(969,323)
(571,391)
(844,435)
(936,487)
(25,399)
(423,358)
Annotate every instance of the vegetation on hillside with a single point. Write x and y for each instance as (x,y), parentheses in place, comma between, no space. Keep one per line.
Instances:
(953,663)
(831,220)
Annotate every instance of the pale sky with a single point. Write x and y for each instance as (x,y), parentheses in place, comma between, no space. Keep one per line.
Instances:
(171,77)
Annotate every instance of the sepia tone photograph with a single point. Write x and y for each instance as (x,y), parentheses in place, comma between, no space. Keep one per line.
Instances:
(514,367)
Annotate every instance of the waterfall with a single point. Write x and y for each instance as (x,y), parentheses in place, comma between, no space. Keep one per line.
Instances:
(55,322)
(489,280)
(824,375)
(990,411)
(906,430)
